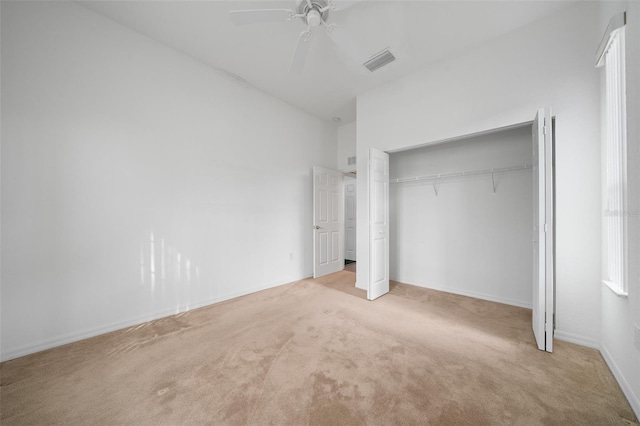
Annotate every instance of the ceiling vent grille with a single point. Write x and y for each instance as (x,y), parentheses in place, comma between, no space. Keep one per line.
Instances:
(379,60)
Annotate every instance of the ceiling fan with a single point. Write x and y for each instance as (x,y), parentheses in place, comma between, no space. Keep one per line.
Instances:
(313,13)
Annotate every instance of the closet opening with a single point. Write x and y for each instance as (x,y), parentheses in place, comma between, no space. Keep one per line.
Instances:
(461,215)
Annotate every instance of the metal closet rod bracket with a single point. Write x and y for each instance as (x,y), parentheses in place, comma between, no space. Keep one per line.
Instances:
(493,181)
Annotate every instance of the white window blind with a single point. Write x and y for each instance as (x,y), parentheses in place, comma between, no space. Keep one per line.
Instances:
(612,57)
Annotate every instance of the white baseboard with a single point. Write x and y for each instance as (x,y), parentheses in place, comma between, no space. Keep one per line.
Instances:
(578,339)
(634,400)
(96,331)
(475,295)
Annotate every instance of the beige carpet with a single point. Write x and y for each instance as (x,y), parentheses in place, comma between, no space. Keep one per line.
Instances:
(316,352)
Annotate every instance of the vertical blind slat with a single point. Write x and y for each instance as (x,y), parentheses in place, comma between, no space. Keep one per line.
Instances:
(616,158)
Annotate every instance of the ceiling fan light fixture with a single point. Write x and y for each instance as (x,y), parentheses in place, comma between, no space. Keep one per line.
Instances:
(314,18)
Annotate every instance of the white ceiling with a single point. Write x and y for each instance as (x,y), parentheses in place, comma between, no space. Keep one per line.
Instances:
(417,32)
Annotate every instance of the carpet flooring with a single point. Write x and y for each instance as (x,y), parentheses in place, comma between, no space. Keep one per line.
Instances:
(316,352)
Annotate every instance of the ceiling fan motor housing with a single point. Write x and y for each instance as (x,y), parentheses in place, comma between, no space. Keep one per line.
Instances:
(313,11)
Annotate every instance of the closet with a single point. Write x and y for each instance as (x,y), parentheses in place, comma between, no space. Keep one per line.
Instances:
(461,216)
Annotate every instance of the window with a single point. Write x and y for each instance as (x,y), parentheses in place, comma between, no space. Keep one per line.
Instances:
(611,55)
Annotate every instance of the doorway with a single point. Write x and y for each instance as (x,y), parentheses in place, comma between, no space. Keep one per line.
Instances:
(461,216)
(474,246)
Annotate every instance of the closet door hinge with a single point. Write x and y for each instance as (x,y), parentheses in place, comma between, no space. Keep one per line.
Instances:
(544,130)
(545,228)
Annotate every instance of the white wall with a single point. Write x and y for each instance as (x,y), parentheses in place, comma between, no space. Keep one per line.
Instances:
(503,82)
(138,182)
(346,146)
(620,315)
(466,239)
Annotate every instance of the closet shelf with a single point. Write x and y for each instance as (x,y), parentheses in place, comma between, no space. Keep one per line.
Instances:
(441,176)
(436,178)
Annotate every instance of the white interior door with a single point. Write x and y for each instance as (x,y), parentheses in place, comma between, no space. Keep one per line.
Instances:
(378,224)
(350,219)
(328,228)
(543,240)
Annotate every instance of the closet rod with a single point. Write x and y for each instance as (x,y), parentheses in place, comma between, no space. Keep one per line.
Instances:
(458,174)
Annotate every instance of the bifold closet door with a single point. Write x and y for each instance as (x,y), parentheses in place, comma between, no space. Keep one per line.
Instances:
(378,224)
(543,226)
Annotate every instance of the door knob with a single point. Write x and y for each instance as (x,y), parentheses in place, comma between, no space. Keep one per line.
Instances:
(317,227)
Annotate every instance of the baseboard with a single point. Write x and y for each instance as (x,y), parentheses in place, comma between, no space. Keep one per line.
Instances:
(578,339)
(88,333)
(475,295)
(634,400)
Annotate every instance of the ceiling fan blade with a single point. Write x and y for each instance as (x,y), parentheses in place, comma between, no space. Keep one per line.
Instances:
(347,43)
(259,16)
(343,4)
(300,54)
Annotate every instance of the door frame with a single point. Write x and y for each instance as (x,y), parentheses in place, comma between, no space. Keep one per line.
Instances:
(550,251)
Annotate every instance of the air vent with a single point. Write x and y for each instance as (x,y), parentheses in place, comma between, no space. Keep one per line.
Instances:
(351,161)
(380,60)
